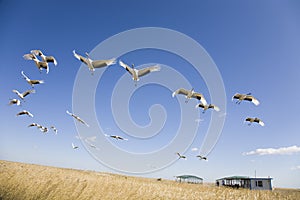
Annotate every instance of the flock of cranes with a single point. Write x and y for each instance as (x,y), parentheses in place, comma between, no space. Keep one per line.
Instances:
(248,97)
(180,156)
(205,106)
(41,64)
(136,74)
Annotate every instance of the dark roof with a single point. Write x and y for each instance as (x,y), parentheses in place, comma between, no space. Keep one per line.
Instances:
(189,177)
(236,177)
(241,177)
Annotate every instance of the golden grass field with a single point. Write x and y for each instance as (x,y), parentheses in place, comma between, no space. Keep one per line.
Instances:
(19,181)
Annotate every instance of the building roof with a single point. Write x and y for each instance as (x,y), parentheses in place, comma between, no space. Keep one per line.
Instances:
(236,177)
(189,177)
(241,177)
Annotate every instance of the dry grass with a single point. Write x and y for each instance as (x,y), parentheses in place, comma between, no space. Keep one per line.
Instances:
(26,181)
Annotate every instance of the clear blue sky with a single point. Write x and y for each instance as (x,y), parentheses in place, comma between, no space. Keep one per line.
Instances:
(254,44)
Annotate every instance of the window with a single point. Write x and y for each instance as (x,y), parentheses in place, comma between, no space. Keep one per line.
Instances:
(258,183)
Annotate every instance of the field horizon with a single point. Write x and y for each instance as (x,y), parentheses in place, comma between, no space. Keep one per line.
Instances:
(32,181)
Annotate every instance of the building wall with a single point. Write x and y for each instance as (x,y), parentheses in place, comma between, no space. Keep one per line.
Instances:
(250,183)
(261,184)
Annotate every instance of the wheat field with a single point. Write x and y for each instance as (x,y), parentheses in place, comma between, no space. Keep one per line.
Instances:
(19,181)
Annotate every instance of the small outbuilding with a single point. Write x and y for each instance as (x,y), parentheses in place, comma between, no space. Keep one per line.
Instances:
(246,182)
(189,179)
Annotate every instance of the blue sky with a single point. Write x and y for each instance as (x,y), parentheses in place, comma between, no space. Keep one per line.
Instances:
(254,44)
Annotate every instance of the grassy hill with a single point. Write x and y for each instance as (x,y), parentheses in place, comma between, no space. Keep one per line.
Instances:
(19,181)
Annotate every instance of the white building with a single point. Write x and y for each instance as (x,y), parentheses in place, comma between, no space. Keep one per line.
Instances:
(246,182)
(189,179)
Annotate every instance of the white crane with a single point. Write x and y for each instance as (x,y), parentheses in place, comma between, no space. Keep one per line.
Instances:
(180,156)
(201,157)
(74,147)
(40,64)
(246,97)
(207,106)
(117,137)
(34,124)
(31,82)
(77,118)
(93,64)
(40,127)
(14,101)
(54,129)
(47,59)
(24,94)
(137,73)
(190,94)
(90,144)
(256,120)
(25,112)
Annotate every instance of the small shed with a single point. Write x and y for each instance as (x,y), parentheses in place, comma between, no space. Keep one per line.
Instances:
(189,179)
(246,182)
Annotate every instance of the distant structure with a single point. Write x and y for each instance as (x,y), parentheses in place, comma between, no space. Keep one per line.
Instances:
(245,182)
(189,179)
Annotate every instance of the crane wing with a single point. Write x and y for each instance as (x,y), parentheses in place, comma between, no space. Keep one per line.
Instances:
(16,91)
(236,96)
(21,113)
(36,52)
(200,105)
(69,113)
(103,63)
(27,92)
(29,56)
(180,91)
(252,99)
(24,76)
(248,119)
(81,120)
(32,124)
(81,58)
(51,59)
(216,108)
(261,123)
(147,70)
(28,113)
(129,69)
(36,81)
(200,97)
